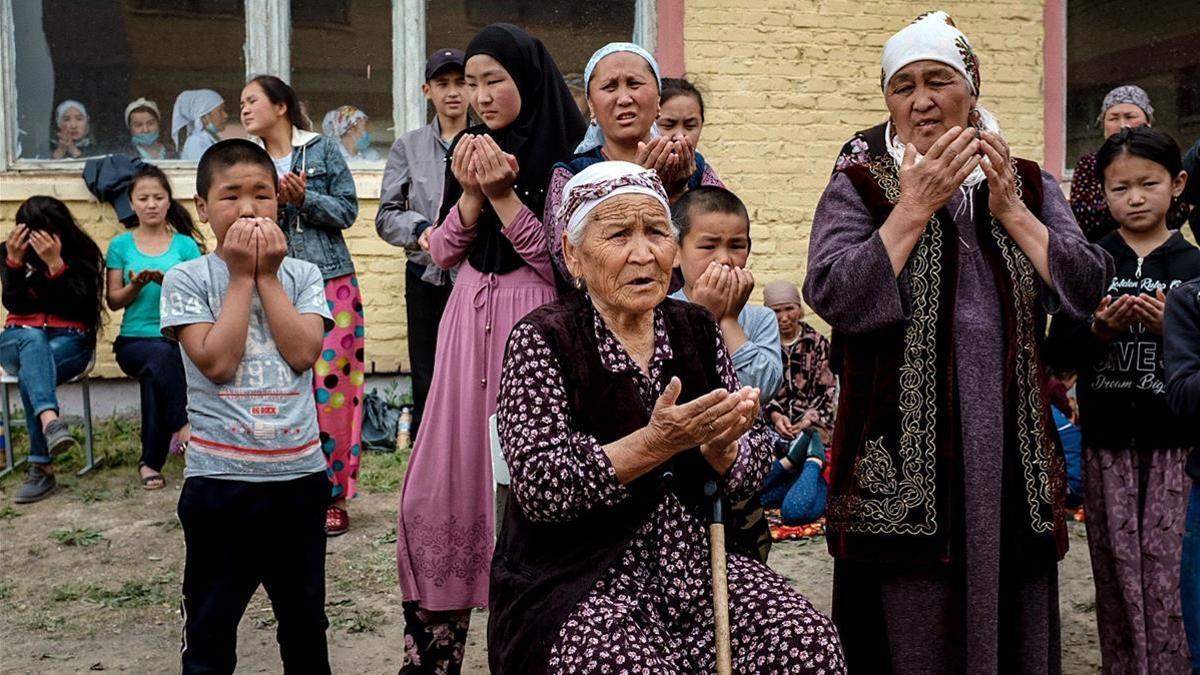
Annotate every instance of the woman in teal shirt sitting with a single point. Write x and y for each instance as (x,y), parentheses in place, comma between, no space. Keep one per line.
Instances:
(137,260)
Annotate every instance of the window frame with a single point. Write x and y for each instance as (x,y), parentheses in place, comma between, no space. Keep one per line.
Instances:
(267,48)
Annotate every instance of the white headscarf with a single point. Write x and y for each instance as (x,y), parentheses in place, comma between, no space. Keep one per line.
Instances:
(594,137)
(142,103)
(602,181)
(931,37)
(190,106)
(66,105)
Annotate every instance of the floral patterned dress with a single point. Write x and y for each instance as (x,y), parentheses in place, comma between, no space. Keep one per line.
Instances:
(808,383)
(651,612)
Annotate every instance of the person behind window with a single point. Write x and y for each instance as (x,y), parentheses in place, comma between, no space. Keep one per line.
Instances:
(317,200)
(578,92)
(622,82)
(494,192)
(348,126)
(163,237)
(145,131)
(681,109)
(53,293)
(200,113)
(1135,448)
(1124,107)
(74,131)
(409,199)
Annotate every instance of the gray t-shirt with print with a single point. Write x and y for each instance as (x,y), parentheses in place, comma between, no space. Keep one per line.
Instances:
(261,425)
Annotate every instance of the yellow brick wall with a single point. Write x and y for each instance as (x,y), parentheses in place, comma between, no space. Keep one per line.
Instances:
(786,83)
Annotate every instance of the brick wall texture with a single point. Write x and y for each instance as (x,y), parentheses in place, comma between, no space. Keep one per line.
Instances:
(786,82)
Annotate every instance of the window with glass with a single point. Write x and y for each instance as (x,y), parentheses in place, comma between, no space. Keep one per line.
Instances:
(80,66)
(161,79)
(1153,47)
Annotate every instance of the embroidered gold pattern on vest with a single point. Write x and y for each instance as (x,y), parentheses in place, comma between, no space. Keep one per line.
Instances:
(1034,446)
(901,499)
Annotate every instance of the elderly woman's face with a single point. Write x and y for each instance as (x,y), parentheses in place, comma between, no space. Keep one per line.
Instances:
(623,95)
(626,253)
(1123,115)
(926,99)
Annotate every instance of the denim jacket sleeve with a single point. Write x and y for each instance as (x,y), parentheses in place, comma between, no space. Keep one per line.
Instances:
(339,208)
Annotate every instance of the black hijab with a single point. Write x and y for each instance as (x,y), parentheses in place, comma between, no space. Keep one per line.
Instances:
(546,131)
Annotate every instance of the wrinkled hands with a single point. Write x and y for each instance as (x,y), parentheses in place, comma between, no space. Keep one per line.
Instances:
(928,185)
(714,422)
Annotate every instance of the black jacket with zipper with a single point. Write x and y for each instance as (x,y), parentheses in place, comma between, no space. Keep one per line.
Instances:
(1122,386)
(1181,341)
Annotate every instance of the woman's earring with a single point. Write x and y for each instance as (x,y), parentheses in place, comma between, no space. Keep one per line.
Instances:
(579,283)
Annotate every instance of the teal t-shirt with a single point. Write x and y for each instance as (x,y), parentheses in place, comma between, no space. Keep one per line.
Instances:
(141,316)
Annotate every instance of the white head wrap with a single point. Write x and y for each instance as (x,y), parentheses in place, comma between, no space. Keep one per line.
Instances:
(190,106)
(339,120)
(594,137)
(66,105)
(141,103)
(601,181)
(931,37)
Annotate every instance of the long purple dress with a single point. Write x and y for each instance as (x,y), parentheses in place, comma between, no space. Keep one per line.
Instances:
(445,533)
(989,613)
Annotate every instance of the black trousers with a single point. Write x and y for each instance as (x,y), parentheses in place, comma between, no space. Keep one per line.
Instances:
(158,368)
(425,303)
(238,535)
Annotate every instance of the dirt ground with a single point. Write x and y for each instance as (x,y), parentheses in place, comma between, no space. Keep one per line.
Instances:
(90,580)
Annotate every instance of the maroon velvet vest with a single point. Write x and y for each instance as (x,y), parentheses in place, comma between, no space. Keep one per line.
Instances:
(541,571)
(896,480)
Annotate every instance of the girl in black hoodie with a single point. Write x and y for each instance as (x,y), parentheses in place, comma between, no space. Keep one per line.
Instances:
(1134,447)
(52,277)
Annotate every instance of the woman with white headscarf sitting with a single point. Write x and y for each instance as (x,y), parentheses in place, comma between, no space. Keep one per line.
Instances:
(616,406)
(935,256)
(622,83)
(201,113)
(348,126)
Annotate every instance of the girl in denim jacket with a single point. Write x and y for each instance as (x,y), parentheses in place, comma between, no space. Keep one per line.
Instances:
(317,200)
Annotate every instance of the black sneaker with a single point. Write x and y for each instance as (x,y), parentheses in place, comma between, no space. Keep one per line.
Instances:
(58,437)
(37,486)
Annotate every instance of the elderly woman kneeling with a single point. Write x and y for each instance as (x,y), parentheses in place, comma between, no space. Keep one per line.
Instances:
(616,405)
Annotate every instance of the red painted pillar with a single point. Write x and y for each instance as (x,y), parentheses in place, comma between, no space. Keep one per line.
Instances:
(1054,17)
(669,41)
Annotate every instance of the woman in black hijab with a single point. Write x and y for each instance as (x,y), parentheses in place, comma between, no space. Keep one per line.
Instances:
(495,191)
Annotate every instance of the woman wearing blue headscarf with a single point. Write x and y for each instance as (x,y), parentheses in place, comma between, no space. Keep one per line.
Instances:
(623,83)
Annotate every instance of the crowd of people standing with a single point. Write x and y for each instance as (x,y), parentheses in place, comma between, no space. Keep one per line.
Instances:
(578,297)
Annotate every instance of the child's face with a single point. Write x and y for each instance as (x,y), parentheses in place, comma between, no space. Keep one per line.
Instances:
(74,124)
(238,191)
(494,94)
(681,115)
(1139,192)
(723,238)
(143,122)
(447,91)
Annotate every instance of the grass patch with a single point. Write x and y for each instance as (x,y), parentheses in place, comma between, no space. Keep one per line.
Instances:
(386,538)
(5,592)
(383,472)
(77,536)
(7,512)
(344,615)
(131,594)
(117,443)
(92,494)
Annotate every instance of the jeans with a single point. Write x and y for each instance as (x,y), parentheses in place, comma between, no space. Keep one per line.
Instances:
(158,368)
(42,359)
(1189,580)
(801,496)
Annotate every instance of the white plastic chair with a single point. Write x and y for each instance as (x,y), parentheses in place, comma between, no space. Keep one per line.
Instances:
(89,455)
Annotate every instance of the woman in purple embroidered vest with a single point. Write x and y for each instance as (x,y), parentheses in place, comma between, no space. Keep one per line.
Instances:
(935,257)
(616,405)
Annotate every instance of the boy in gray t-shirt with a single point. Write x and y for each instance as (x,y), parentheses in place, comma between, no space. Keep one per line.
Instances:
(250,322)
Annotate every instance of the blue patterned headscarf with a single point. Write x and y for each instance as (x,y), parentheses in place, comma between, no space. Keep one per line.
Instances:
(594,137)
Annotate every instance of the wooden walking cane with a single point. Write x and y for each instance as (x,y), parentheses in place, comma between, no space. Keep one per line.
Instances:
(720,582)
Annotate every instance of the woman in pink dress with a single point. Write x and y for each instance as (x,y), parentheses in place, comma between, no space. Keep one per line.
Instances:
(495,191)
